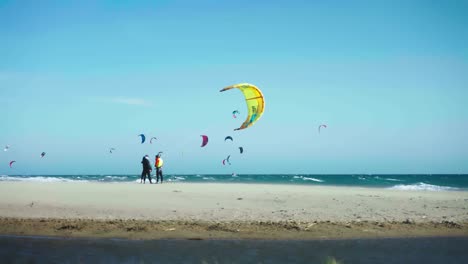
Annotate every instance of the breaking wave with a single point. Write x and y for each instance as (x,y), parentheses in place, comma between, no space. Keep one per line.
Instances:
(421,186)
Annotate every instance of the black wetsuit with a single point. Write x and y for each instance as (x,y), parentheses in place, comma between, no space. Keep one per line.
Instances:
(146,169)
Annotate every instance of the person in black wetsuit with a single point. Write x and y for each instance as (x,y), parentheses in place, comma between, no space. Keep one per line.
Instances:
(146,169)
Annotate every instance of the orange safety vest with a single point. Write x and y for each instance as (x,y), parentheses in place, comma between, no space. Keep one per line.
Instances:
(158,162)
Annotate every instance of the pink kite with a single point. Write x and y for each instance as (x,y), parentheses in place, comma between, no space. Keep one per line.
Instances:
(11,162)
(205,140)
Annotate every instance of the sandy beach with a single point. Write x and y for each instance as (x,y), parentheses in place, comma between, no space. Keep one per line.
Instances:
(198,211)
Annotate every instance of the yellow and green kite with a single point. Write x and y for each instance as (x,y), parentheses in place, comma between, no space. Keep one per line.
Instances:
(255,102)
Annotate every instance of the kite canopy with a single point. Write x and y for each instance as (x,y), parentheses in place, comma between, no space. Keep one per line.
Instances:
(6,148)
(11,162)
(234,113)
(241,149)
(143,138)
(204,141)
(227,159)
(325,126)
(255,102)
(228,137)
(111,149)
(151,140)
(43,154)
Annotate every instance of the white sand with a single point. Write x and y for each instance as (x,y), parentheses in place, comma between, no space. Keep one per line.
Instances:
(227,202)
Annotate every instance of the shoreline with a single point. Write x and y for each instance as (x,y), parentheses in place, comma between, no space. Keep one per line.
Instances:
(227,211)
(374,182)
(292,184)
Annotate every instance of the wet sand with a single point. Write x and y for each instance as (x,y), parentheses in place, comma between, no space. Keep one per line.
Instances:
(203,211)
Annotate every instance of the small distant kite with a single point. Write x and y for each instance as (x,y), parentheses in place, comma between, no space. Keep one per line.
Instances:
(228,137)
(6,148)
(325,126)
(143,138)
(111,149)
(226,159)
(151,140)
(255,102)
(43,154)
(11,162)
(241,149)
(234,113)
(204,141)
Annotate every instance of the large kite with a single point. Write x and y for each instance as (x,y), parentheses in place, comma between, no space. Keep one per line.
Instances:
(11,162)
(228,137)
(255,102)
(204,140)
(143,138)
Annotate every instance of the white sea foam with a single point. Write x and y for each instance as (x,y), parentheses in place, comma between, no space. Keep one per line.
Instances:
(208,178)
(421,186)
(307,178)
(391,179)
(176,179)
(37,179)
(312,179)
(110,178)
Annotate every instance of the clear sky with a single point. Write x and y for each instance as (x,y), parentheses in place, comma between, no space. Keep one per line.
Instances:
(389,78)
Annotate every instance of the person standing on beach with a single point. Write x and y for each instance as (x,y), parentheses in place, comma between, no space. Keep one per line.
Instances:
(158,163)
(146,169)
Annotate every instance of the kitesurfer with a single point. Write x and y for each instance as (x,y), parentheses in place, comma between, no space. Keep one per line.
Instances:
(158,163)
(146,169)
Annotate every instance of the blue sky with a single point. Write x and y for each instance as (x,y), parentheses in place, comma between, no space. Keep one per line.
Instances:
(389,78)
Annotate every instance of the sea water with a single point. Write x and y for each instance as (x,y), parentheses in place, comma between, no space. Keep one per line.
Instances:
(424,182)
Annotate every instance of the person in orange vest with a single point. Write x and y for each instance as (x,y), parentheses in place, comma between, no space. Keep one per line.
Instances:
(158,164)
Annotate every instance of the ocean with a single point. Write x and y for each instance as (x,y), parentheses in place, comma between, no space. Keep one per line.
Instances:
(385,250)
(423,182)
